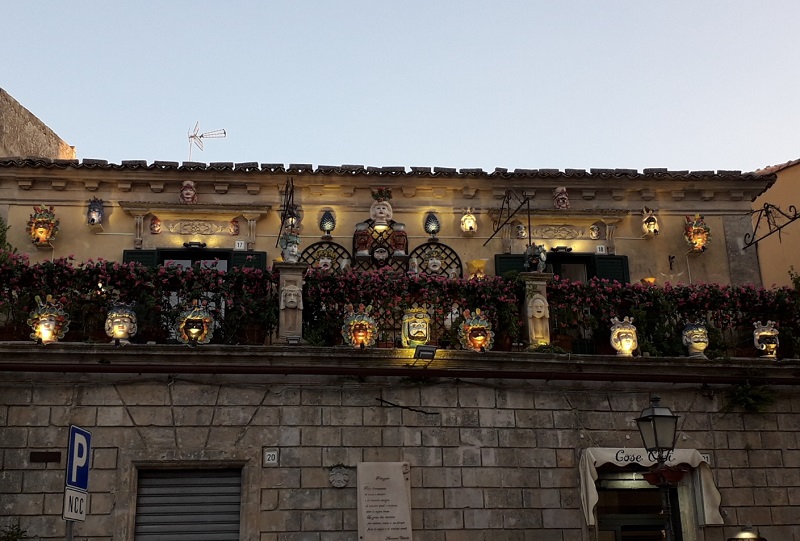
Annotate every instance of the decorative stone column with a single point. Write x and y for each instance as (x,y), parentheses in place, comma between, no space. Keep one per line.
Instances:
(537,308)
(290,313)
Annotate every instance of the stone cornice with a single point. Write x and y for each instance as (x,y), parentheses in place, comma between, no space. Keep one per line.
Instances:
(57,359)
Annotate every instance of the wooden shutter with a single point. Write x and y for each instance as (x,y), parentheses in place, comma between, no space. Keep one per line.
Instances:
(258,259)
(612,267)
(148,258)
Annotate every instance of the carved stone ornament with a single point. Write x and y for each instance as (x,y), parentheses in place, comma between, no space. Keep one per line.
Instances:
(339,476)
(564,232)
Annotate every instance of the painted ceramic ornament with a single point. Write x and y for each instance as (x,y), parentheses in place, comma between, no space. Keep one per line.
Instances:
(623,336)
(416,327)
(476,332)
(360,330)
(765,338)
(43,225)
(380,212)
(121,323)
(432,225)
(194,326)
(695,337)
(96,213)
(48,320)
(696,233)
(325,259)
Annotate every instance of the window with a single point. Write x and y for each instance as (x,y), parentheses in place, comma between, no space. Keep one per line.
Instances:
(188,256)
(188,505)
(579,267)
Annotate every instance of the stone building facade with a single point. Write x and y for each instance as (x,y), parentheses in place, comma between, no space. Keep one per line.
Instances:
(494,444)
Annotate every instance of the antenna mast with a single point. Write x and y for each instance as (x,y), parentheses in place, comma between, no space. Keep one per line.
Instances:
(196,138)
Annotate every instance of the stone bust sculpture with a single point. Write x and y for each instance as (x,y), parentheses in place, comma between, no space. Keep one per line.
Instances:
(538,320)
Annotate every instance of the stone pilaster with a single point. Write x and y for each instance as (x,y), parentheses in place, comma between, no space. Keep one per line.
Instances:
(290,318)
(538,324)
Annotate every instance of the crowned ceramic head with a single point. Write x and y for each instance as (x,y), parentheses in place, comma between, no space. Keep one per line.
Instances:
(121,322)
(381,210)
(623,336)
(695,338)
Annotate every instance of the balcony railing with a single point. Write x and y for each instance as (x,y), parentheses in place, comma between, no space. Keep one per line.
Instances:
(244,303)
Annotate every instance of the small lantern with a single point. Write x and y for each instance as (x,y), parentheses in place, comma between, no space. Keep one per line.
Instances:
(43,226)
(623,336)
(658,427)
(327,223)
(360,330)
(476,332)
(194,326)
(432,225)
(469,223)
(121,323)
(48,320)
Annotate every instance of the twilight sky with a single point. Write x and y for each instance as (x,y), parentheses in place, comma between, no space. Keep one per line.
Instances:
(683,84)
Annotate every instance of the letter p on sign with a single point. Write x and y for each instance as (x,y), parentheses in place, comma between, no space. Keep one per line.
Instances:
(78,458)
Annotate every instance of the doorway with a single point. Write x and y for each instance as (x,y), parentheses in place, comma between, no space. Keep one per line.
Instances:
(630,509)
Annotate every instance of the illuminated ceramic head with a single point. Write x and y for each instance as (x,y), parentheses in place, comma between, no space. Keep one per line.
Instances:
(381,210)
(697,233)
(43,225)
(94,216)
(360,330)
(381,255)
(594,232)
(416,327)
(476,332)
(48,320)
(695,337)
(188,194)
(121,322)
(194,326)
(623,336)
(765,338)
(292,297)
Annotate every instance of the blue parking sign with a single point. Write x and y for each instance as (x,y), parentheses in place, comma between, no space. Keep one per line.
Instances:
(80,446)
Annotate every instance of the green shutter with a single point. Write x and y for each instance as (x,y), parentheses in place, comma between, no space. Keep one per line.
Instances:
(613,267)
(148,258)
(258,259)
(508,262)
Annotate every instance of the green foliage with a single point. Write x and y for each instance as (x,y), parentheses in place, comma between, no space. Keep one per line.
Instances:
(549,348)
(13,533)
(748,398)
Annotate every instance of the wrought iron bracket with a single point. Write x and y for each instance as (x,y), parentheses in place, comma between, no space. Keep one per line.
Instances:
(772,219)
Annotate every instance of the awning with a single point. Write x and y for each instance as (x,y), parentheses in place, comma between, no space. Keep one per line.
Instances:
(708,497)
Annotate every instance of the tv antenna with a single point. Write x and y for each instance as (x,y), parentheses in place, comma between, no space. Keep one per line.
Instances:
(196,138)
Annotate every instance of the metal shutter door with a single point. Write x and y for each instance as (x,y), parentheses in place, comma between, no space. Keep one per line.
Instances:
(188,505)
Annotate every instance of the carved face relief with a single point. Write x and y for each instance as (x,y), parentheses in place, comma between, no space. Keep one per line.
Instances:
(538,308)
(188,193)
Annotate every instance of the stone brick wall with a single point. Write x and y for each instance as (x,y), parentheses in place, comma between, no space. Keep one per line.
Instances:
(22,134)
(490,460)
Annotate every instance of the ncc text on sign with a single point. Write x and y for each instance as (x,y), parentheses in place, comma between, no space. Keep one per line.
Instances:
(76,479)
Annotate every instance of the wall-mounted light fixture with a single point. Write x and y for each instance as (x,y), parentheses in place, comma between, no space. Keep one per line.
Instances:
(194,245)
(469,223)
(432,226)
(564,249)
(327,223)
(424,353)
